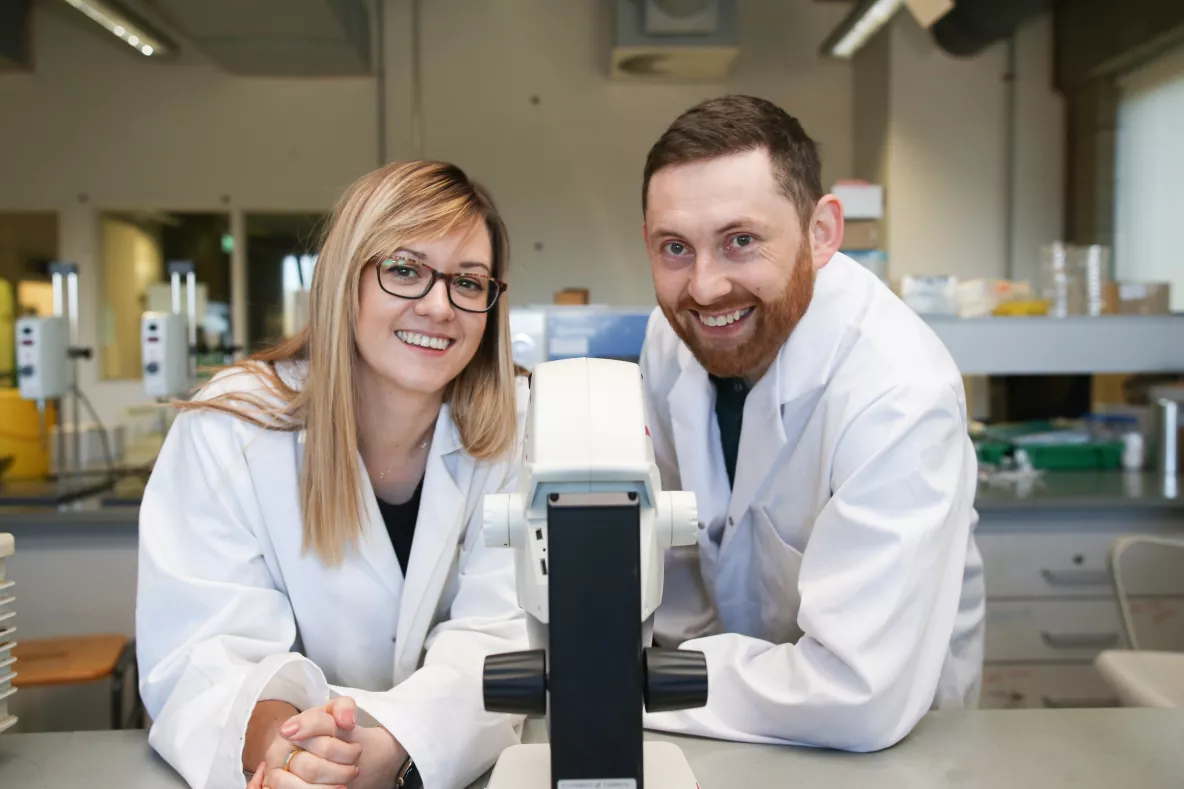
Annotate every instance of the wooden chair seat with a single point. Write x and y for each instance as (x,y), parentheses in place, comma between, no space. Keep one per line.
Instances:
(66,661)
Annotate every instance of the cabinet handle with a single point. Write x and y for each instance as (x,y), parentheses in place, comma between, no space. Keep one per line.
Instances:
(1058,704)
(1075,577)
(1078,640)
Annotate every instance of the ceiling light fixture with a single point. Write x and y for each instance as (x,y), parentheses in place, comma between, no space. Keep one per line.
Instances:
(864,21)
(121,25)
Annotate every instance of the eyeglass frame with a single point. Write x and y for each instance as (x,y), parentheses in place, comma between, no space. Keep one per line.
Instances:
(499,287)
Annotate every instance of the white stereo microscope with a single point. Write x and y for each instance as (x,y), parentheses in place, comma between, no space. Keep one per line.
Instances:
(589,526)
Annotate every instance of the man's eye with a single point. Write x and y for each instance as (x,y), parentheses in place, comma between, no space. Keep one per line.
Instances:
(743,240)
(675,248)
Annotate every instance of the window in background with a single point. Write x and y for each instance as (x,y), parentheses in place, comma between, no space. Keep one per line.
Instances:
(136,250)
(1149,173)
(281,255)
(28,241)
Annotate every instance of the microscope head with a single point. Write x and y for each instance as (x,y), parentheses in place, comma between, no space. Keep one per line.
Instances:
(587,431)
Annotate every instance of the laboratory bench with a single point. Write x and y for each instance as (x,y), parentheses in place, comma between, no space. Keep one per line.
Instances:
(1046,749)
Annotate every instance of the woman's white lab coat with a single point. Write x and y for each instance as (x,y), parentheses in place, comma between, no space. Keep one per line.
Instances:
(230,611)
(836,590)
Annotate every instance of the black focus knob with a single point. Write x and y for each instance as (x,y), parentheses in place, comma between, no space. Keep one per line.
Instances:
(26,371)
(152,368)
(675,679)
(516,682)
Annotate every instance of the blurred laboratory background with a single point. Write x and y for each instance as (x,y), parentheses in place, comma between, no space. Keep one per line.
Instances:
(1012,170)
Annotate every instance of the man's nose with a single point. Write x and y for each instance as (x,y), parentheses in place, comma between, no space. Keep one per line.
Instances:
(708,283)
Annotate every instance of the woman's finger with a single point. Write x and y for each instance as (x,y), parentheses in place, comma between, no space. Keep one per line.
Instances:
(314,770)
(310,723)
(282,779)
(345,711)
(257,778)
(332,749)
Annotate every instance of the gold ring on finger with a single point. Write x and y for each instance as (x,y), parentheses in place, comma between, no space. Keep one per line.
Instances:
(288,759)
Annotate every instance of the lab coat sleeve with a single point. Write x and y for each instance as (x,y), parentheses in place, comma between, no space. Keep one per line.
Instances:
(880,583)
(214,634)
(438,713)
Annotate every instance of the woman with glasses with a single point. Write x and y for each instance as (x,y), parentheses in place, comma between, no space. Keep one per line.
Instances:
(315,601)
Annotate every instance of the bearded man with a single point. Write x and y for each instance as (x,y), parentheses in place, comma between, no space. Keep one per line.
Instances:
(836,588)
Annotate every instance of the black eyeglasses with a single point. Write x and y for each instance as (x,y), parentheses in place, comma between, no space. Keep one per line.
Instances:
(409,278)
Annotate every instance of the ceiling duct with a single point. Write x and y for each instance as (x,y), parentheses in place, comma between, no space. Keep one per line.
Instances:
(281,38)
(673,40)
(16,49)
(974,25)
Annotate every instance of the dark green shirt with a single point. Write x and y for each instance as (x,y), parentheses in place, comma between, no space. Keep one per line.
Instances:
(730,394)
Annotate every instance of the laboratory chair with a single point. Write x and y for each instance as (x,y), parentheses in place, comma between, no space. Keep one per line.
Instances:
(1141,677)
(73,660)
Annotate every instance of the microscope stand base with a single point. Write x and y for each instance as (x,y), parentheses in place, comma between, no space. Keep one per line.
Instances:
(529,767)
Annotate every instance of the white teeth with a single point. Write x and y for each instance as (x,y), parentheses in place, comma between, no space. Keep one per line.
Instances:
(423,341)
(724,320)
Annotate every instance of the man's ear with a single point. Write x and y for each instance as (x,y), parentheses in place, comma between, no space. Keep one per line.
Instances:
(826,230)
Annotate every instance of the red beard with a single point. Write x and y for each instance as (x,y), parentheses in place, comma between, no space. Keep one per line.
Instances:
(773,323)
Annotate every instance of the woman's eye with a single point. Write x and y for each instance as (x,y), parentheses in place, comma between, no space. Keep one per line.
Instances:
(400,269)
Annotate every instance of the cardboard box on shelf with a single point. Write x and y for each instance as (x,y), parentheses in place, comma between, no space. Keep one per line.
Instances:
(860,199)
(571,296)
(860,235)
(1141,298)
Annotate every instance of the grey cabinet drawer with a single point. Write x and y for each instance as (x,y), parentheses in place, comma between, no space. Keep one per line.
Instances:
(1042,630)
(1074,564)
(1051,629)
(1044,686)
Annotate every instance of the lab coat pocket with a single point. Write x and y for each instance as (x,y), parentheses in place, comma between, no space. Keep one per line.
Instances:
(773,582)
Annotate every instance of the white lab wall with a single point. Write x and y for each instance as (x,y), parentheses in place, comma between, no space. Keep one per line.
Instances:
(1150,171)
(939,141)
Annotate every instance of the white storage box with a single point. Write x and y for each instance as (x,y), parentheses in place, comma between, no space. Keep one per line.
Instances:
(7,615)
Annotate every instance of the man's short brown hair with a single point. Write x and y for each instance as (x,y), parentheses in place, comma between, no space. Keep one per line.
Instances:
(738,124)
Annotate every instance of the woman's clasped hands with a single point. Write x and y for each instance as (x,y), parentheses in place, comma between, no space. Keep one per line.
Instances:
(325,747)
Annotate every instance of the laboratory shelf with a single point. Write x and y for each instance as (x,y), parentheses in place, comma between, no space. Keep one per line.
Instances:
(1073,345)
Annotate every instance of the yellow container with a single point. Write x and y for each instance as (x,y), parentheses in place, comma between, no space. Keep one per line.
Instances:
(21,438)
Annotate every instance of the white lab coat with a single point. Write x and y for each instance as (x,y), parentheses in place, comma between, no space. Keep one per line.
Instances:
(230,611)
(845,597)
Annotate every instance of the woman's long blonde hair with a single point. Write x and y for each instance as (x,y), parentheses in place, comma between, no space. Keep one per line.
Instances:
(402,202)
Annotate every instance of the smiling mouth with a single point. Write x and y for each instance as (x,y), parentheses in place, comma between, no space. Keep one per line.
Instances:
(424,341)
(716,321)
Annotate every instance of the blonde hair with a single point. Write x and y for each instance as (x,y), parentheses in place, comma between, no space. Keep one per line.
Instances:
(380,212)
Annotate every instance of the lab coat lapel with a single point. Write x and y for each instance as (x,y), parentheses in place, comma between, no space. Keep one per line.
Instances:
(437,534)
(697,443)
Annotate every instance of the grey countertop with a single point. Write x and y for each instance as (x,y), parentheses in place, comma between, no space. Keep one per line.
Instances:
(1016,749)
(1088,489)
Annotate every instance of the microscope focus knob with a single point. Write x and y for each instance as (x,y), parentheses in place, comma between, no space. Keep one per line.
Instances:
(675,679)
(516,682)
(677,521)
